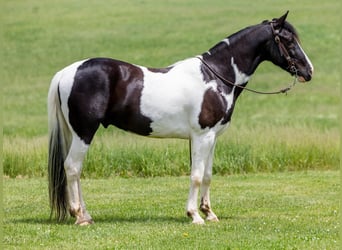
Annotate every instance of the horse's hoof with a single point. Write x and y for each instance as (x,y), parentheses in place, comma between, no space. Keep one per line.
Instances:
(212,218)
(198,222)
(196,218)
(84,222)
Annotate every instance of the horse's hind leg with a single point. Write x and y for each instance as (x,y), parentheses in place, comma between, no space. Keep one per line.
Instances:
(73,168)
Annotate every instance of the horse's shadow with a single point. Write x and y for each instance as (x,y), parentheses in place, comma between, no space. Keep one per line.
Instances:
(105,219)
(140,219)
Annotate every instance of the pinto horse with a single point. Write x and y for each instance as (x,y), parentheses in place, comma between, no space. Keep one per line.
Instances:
(192,99)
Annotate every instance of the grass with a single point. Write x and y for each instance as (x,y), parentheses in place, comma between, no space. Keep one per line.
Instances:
(293,210)
(297,131)
(116,153)
(41,38)
(270,134)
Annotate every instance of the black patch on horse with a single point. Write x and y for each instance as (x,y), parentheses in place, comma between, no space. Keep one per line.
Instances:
(213,109)
(107,91)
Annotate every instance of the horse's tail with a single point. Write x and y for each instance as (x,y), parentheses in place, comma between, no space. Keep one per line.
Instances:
(59,144)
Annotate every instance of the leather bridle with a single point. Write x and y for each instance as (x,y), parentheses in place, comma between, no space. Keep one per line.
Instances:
(283,51)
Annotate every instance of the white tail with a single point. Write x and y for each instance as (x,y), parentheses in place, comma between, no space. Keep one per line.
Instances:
(59,144)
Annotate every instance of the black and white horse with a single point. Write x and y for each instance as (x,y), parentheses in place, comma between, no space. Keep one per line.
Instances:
(192,99)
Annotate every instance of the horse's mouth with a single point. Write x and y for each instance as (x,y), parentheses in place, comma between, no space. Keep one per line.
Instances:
(304,77)
(301,79)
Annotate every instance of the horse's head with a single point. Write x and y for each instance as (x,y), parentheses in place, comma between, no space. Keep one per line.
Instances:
(285,50)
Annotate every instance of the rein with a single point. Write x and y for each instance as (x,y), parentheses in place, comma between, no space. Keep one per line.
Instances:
(281,91)
(283,52)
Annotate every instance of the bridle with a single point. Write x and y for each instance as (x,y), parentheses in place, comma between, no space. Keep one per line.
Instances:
(283,52)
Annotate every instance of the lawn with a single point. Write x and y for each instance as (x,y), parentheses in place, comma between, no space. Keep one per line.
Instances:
(285,132)
(276,168)
(294,210)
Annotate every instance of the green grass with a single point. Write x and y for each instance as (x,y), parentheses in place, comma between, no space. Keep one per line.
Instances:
(117,153)
(268,133)
(293,210)
(271,134)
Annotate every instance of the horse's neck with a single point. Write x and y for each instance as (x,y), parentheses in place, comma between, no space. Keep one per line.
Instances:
(240,49)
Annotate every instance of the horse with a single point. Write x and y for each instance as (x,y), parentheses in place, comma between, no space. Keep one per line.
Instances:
(192,99)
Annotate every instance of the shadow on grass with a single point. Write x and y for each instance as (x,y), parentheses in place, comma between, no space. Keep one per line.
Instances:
(141,219)
(44,221)
(103,219)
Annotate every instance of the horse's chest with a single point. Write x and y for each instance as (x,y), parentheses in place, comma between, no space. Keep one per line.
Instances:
(216,107)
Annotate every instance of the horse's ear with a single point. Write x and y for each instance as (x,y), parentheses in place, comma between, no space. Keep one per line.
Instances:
(279,22)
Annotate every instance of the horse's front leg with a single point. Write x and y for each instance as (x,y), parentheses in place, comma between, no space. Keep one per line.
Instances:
(73,167)
(201,148)
(205,206)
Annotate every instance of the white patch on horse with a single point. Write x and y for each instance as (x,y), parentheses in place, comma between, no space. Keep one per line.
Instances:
(173,100)
(213,85)
(65,85)
(306,57)
(240,77)
(226,41)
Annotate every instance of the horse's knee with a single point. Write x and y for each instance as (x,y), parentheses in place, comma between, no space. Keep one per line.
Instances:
(72,171)
(196,179)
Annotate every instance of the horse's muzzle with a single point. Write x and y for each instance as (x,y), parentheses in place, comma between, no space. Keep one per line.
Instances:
(307,76)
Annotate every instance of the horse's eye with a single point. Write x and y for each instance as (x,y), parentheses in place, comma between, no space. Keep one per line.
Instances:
(291,45)
(289,39)
(290,42)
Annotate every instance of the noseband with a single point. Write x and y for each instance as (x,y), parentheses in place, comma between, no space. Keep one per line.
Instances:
(283,51)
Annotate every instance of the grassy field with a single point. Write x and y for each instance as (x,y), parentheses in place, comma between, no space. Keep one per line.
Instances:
(270,134)
(297,131)
(295,210)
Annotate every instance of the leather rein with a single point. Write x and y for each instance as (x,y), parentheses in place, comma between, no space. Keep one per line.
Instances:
(283,51)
